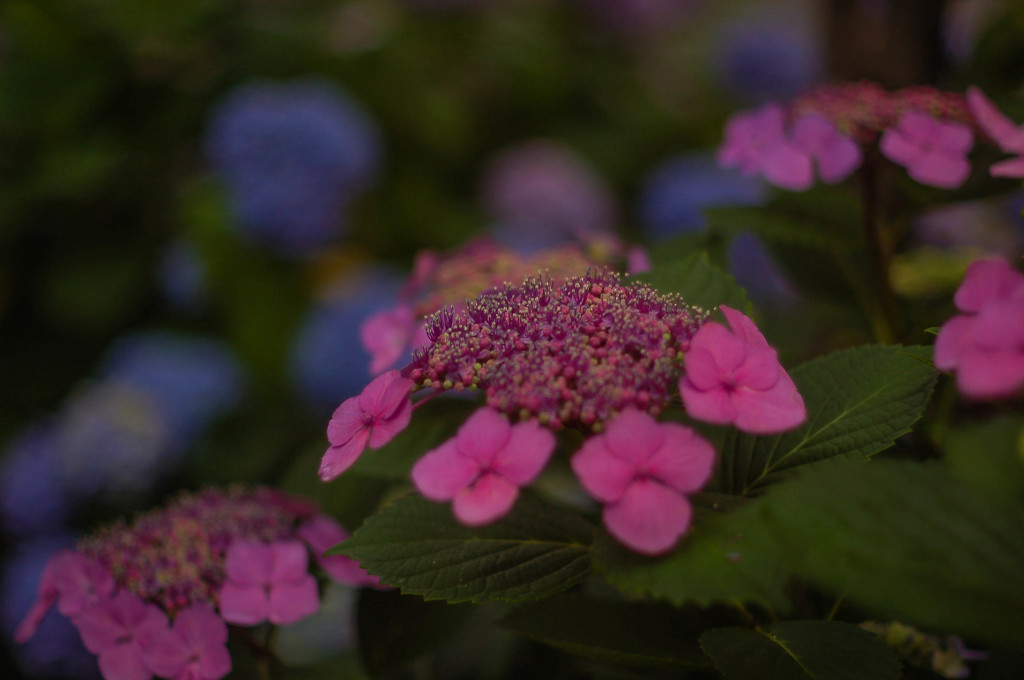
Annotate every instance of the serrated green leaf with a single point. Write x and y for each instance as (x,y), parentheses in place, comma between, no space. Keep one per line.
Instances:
(907,541)
(413,544)
(641,634)
(700,283)
(800,650)
(720,560)
(986,455)
(858,402)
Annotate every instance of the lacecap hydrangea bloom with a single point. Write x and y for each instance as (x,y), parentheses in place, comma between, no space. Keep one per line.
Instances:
(596,353)
(826,131)
(292,155)
(155,597)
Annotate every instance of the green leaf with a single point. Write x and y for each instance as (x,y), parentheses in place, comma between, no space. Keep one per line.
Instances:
(906,540)
(642,634)
(801,650)
(536,550)
(725,558)
(858,402)
(700,283)
(986,455)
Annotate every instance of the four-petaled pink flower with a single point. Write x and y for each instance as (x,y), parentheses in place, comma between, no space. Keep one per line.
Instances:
(194,649)
(985,344)
(1003,131)
(118,630)
(835,154)
(386,335)
(72,581)
(322,533)
(267,581)
(642,470)
(483,466)
(371,419)
(735,377)
(933,152)
(756,143)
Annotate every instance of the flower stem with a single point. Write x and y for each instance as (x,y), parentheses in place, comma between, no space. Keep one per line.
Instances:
(887,321)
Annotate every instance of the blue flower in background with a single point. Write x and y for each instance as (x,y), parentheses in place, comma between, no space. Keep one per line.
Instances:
(182,276)
(56,651)
(327,361)
(192,380)
(769,54)
(291,156)
(675,193)
(759,273)
(33,499)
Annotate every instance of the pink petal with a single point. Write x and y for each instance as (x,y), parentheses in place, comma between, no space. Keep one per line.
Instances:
(337,459)
(996,125)
(784,166)
(443,472)
(985,374)
(245,605)
(767,412)
(637,260)
(491,497)
(167,653)
(951,341)
(394,399)
(346,422)
(604,476)
(650,518)
(200,625)
(954,138)
(386,335)
(727,351)
(939,170)
(633,436)
(684,461)
(483,434)
(289,561)
(322,533)
(985,281)
(384,431)
(249,563)
(290,602)
(124,662)
(897,148)
(836,155)
(527,451)
(1013,167)
(214,664)
(760,371)
(382,395)
(710,406)
(701,371)
(743,327)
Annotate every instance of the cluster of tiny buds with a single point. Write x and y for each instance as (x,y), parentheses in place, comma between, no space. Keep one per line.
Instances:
(574,354)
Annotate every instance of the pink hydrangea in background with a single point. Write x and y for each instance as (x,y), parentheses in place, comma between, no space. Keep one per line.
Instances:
(322,533)
(267,581)
(734,377)
(481,469)
(73,582)
(756,143)
(1004,132)
(984,345)
(835,155)
(934,152)
(119,631)
(195,648)
(642,470)
(373,418)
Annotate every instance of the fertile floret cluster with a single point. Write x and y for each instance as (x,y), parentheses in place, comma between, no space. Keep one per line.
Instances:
(571,354)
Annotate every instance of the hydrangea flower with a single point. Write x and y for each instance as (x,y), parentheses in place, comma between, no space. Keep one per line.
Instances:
(984,344)
(835,156)
(641,470)
(267,581)
(372,419)
(292,155)
(934,152)
(1004,132)
(734,377)
(481,469)
(322,533)
(121,585)
(756,143)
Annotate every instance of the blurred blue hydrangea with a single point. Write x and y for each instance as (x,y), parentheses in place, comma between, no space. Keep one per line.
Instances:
(759,273)
(540,193)
(768,54)
(291,156)
(674,194)
(327,361)
(33,499)
(182,277)
(56,650)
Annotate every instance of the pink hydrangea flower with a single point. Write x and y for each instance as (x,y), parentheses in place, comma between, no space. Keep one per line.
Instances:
(483,466)
(72,581)
(371,419)
(267,581)
(1003,131)
(734,377)
(322,533)
(194,649)
(835,155)
(933,152)
(642,470)
(386,335)
(117,630)
(756,143)
(985,344)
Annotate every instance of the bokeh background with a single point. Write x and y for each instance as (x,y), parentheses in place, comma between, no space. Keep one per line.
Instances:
(200,200)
